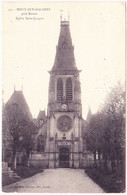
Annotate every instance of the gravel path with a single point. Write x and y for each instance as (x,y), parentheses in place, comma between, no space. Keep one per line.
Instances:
(56,181)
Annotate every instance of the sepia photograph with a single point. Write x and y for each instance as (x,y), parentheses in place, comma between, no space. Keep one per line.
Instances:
(63,97)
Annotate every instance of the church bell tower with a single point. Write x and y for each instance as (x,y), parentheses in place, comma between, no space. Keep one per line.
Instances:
(64,125)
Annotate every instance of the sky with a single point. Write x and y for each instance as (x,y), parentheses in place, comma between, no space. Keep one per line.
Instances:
(29,47)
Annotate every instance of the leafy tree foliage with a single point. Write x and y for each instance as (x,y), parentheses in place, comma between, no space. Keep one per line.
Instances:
(106,130)
(22,132)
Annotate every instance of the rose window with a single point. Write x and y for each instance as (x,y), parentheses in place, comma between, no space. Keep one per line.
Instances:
(64,123)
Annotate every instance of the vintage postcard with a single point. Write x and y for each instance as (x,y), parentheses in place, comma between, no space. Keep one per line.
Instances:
(63,97)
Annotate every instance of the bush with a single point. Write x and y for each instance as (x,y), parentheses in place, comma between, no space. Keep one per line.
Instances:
(110,182)
(25,171)
(6,180)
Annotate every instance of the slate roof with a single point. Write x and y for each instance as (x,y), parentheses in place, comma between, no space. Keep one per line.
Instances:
(64,60)
(41,115)
(19,99)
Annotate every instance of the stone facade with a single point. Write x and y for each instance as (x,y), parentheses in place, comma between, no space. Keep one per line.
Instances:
(64,145)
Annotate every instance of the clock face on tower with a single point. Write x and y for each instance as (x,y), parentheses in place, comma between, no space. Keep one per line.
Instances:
(64,123)
(64,106)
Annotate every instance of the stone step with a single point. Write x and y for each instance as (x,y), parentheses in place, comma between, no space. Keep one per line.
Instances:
(4,164)
(6,171)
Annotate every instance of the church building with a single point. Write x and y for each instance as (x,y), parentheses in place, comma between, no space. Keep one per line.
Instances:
(64,145)
(59,133)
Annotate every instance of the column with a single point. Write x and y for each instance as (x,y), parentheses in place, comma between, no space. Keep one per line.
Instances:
(76,140)
(80,144)
(52,143)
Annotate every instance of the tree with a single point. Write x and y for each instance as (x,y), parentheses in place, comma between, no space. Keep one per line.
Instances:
(27,142)
(21,130)
(94,134)
(106,129)
(114,110)
(6,138)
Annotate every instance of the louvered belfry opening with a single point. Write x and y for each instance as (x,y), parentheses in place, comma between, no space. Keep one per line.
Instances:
(69,89)
(59,89)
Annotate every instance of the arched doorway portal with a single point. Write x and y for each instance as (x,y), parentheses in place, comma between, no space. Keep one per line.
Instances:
(64,157)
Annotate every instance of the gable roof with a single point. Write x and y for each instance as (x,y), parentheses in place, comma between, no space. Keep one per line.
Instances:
(19,99)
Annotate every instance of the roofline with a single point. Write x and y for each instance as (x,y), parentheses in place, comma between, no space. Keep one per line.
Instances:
(64,23)
(62,71)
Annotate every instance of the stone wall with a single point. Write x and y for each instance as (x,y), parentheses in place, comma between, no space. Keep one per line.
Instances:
(38,160)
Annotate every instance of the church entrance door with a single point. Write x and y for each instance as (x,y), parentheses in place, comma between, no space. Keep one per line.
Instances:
(64,157)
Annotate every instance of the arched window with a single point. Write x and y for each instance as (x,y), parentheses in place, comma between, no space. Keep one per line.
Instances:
(59,89)
(69,89)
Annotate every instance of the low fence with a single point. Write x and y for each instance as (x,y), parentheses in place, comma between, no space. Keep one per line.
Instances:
(38,160)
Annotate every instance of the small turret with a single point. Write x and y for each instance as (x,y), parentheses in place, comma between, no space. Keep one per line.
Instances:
(89,115)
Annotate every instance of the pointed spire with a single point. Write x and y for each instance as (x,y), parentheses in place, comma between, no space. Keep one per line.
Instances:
(68,16)
(14,88)
(89,115)
(22,88)
(64,60)
(2,98)
(61,15)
